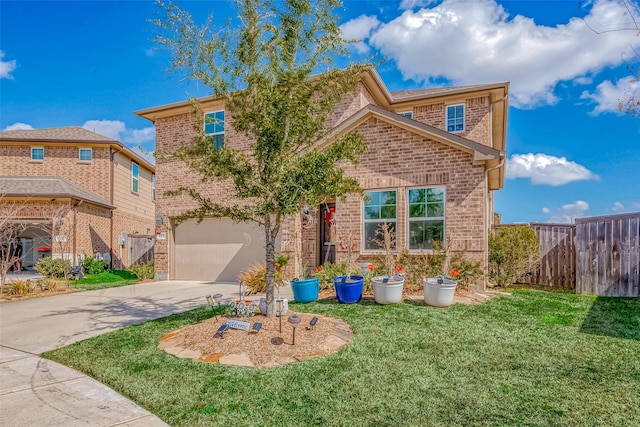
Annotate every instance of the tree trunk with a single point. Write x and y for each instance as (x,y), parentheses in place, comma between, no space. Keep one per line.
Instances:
(270,247)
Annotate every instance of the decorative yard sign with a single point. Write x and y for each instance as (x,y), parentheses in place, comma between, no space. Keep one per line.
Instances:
(238,324)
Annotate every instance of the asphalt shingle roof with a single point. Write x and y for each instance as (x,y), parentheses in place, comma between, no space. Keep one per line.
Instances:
(71,133)
(47,186)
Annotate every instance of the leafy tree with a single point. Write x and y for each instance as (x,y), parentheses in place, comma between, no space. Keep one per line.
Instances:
(276,73)
(513,250)
(630,102)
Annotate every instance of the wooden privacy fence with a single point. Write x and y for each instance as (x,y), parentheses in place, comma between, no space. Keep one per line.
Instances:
(141,248)
(608,255)
(557,256)
(597,255)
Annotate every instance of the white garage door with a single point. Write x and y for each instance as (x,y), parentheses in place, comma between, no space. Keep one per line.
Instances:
(216,249)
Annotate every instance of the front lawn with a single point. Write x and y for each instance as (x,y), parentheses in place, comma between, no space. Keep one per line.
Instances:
(535,358)
(106,279)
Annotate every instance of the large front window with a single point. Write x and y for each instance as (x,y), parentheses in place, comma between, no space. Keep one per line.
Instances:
(214,126)
(381,207)
(426,217)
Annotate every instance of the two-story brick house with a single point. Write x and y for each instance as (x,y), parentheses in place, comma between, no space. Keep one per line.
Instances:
(434,159)
(104,189)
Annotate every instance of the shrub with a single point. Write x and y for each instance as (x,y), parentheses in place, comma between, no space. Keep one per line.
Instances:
(53,267)
(143,270)
(417,266)
(328,271)
(91,265)
(513,251)
(255,278)
(469,271)
(20,287)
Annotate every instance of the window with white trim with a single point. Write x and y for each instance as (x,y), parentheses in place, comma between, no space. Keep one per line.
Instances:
(37,154)
(153,187)
(214,126)
(455,118)
(135,177)
(425,217)
(85,154)
(380,207)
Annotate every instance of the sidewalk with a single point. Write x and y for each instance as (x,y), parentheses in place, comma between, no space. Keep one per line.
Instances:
(38,392)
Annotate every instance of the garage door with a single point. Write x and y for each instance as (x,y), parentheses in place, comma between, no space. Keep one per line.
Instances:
(216,249)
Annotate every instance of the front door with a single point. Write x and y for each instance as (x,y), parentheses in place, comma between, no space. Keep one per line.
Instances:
(327,250)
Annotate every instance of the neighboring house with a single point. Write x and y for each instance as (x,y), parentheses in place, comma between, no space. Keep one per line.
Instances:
(434,159)
(102,190)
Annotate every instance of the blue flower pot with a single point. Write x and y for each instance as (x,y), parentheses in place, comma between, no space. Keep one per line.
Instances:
(348,291)
(305,290)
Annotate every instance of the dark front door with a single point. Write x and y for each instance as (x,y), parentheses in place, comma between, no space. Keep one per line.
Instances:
(327,234)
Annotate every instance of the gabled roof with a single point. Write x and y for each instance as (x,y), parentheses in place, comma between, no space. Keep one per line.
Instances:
(48,187)
(480,152)
(406,95)
(70,134)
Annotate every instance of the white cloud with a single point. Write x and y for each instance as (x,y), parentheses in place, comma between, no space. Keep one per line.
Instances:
(608,95)
(476,41)
(617,207)
(115,129)
(6,67)
(411,4)
(359,28)
(138,136)
(583,81)
(546,170)
(19,126)
(567,213)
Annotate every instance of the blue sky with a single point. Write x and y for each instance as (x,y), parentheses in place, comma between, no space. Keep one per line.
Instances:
(570,152)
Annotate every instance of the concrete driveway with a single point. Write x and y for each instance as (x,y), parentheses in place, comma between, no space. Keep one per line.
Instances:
(38,392)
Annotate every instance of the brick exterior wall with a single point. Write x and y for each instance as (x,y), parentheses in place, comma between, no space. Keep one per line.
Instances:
(59,161)
(86,227)
(477,118)
(96,229)
(396,159)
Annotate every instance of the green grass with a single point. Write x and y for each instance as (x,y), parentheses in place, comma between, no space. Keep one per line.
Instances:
(533,359)
(106,279)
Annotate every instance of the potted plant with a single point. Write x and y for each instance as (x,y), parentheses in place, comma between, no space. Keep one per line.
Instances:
(439,291)
(348,287)
(305,289)
(388,289)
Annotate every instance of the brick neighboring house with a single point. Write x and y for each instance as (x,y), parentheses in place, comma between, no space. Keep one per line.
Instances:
(434,159)
(106,189)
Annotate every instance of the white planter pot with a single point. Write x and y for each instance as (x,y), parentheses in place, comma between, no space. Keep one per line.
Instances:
(439,294)
(387,293)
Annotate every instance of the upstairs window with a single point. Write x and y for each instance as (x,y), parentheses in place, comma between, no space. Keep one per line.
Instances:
(135,177)
(85,154)
(380,208)
(37,154)
(214,126)
(426,217)
(153,187)
(455,118)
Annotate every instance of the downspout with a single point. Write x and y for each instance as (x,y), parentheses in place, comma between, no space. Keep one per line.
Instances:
(112,156)
(75,232)
(487,213)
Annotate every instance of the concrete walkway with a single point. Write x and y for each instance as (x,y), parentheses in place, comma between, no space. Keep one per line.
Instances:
(38,392)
